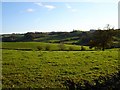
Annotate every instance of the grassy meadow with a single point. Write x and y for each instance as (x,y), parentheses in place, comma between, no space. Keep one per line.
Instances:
(50,69)
(36,45)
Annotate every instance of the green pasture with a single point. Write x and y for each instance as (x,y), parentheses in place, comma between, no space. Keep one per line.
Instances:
(35,45)
(50,69)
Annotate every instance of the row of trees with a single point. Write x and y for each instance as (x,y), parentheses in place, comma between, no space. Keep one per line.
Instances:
(99,39)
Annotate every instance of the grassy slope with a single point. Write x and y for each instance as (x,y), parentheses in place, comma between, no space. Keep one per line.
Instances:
(49,69)
(34,45)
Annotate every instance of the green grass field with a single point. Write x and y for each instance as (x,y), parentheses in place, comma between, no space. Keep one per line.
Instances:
(35,45)
(50,69)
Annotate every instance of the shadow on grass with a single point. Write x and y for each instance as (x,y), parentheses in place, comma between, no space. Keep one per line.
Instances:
(109,82)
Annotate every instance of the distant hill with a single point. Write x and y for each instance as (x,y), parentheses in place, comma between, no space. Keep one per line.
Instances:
(74,37)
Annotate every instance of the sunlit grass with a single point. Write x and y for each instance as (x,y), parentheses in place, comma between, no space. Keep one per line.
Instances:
(42,69)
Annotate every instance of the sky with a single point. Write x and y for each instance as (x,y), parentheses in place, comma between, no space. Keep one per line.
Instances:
(22,17)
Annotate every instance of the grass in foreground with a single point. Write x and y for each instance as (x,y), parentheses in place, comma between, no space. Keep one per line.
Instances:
(42,69)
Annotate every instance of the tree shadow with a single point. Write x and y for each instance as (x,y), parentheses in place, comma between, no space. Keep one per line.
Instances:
(109,82)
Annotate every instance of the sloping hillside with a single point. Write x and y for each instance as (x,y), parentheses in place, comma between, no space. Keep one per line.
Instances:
(74,37)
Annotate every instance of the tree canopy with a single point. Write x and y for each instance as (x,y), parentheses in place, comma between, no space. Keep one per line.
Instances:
(102,38)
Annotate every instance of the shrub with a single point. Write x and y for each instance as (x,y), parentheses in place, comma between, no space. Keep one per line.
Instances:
(83,48)
(39,47)
(47,48)
(71,48)
(61,47)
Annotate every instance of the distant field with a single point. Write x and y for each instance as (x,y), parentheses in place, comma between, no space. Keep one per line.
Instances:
(41,69)
(35,45)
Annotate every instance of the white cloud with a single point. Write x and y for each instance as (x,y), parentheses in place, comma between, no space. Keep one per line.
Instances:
(50,7)
(38,3)
(30,10)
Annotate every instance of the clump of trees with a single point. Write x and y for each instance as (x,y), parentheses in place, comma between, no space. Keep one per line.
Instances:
(29,36)
(102,38)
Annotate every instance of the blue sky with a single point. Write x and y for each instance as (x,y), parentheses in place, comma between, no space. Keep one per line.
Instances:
(22,17)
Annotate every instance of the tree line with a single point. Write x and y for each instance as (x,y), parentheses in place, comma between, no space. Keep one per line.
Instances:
(99,39)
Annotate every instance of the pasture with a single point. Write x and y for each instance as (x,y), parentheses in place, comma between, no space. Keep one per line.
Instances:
(36,45)
(50,69)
